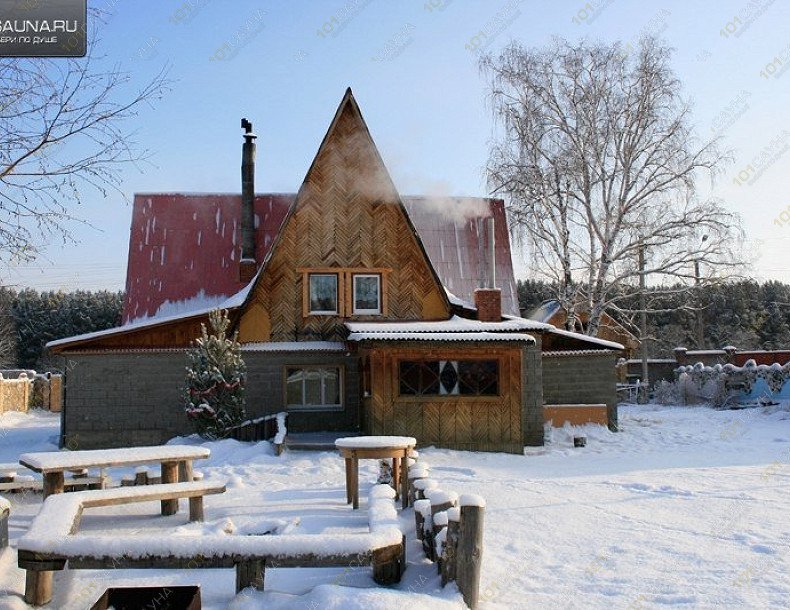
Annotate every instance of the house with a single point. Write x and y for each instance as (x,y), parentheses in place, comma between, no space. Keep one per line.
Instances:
(552,312)
(357,310)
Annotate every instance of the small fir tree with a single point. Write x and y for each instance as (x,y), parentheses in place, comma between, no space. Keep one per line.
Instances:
(215,380)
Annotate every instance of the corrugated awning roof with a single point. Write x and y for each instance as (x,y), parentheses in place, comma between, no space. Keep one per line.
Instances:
(441,336)
(456,324)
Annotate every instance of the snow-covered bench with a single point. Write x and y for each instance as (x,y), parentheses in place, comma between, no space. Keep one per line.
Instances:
(51,543)
(175,461)
(12,480)
(5,511)
(42,548)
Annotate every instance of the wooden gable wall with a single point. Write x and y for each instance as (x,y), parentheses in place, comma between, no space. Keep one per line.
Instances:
(347,215)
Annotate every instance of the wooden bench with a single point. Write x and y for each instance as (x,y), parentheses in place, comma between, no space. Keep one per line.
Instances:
(42,550)
(5,511)
(175,462)
(61,515)
(10,480)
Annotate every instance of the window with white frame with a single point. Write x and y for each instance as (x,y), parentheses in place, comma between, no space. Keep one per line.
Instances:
(313,388)
(323,293)
(367,294)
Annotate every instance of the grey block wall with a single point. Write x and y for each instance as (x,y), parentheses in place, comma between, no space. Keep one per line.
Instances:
(135,398)
(579,379)
(532,395)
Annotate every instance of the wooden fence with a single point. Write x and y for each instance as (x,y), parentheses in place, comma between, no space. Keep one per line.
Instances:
(15,394)
(451,530)
(22,392)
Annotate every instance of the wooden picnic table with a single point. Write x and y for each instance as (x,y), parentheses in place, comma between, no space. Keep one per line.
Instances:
(397,448)
(172,459)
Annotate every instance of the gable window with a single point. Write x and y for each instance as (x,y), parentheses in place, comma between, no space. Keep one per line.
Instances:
(449,377)
(323,293)
(313,388)
(367,294)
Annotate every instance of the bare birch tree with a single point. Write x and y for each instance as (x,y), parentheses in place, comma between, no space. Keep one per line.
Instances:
(597,157)
(65,134)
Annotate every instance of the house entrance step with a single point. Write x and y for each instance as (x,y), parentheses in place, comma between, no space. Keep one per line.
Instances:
(314,441)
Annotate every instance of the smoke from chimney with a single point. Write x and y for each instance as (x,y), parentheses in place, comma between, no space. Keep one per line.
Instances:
(248,264)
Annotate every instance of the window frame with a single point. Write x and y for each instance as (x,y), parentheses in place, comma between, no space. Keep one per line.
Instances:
(311,407)
(323,312)
(365,312)
(502,386)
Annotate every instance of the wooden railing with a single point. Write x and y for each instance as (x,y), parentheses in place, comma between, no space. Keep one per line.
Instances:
(268,427)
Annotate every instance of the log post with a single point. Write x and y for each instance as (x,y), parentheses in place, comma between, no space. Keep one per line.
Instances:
(440,501)
(349,484)
(387,564)
(395,482)
(4,514)
(185,471)
(196,508)
(38,587)
(470,549)
(53,483)
(421,509)
(355,482)
(250,573)
(420,486)
(403,481)
(169,475)
(449,556)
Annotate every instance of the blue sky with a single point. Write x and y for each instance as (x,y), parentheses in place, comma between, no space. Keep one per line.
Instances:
(417,82)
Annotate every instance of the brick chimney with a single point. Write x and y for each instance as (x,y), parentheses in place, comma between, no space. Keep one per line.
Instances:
(489,304)
(248,265)
(488,300)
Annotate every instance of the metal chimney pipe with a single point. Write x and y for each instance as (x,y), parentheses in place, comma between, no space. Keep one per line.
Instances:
(491,252)
(248,193)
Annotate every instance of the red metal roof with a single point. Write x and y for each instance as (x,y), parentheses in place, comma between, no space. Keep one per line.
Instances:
(184,248)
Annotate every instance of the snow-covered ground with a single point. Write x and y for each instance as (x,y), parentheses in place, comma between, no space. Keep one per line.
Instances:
(685,507)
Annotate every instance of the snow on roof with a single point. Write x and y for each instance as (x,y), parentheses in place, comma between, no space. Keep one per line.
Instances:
(295,346)
(441,336)
(454,300)
(231,302)
(576,352)
(581,337)
(456,324)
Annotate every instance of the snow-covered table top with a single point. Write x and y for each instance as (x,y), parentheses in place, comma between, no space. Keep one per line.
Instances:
(375,442)
(8,469)
(54,461)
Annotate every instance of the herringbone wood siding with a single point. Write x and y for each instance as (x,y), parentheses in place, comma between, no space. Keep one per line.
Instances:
(484,423)
(347,214)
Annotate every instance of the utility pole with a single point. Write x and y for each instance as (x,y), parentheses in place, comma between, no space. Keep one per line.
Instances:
(643,324)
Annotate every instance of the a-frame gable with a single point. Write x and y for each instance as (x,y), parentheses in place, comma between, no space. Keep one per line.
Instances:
(347,215)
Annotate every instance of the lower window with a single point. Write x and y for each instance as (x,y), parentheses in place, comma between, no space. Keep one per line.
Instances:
(449,377)
(313,388)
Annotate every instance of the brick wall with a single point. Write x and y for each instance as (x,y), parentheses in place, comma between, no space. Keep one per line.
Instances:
(577,379)
(128,399)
